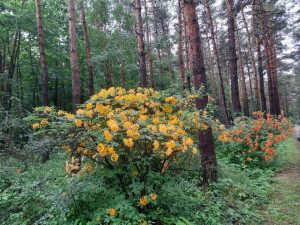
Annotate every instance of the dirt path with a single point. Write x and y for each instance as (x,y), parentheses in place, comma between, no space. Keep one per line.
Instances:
(284,207)
(292,172)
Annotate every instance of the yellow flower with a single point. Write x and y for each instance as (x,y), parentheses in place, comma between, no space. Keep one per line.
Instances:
(108,135)
(204,112)
(127,125)
(128,142)
(114,157)
(35,126)
(47,109)
(155,145)
(134,173)
(167,109)
(80,112)
(44,122)
(143,200)
(90,113)
(194,150)
(153,197)
(163,128)
(222,127)
(93,186)
(98,219)
(187,141)
(143,117)
(78,123)
(134,134)
(69,116)
(169,151)
(170,144)
(89,105)
(113,125)
(60,113)
(111,211)
(171,99)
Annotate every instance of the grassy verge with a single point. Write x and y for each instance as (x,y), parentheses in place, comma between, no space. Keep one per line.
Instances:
(284,207)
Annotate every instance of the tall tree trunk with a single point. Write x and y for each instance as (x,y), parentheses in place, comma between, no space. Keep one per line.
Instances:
(206,144)
(76,93)
(88,53)
(149,49)
(141,45)
(55,98)
(222,98)
(107,75)
(260,63)
(256,91)
(243,79)
(187,54)
(235,96)
(250,79)
(211,64)
(11,70)
(34,78)
(273,64)
(156,38)
(168,49)
(180,58)
(42,52)
(267,60)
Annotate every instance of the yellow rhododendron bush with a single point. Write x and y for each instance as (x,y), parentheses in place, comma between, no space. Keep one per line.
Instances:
(254,141)
(136,136)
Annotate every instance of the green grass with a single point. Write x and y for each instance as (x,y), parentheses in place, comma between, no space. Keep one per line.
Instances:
(284,207)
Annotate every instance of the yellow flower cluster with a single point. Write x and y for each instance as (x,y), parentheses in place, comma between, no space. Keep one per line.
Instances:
(115,121)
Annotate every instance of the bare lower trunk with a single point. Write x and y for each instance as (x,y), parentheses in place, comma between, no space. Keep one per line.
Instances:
(260,64)
(141,45)
(211,65)
(235,96)
(42,52)
(267,60)
(156,38)
(222,98)
(149,50)
(206,144)
(76,93)
(251,57)
(88,53)
(243,79)
(168,50)
(180,58)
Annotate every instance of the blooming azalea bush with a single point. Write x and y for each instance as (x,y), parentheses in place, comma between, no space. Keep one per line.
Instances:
(253,141)
(130,137)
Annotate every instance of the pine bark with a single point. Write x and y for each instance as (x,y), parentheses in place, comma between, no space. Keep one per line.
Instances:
(273,64)
(256,91)
(260,63)
(76,93)
(235,96)
(149,50)
(156,38)
(180,58)
(211,65)
(88,53)
(141,45)
(206,144)
(42,52)
(243,79)
(267,60)
(168,49)
(222,98)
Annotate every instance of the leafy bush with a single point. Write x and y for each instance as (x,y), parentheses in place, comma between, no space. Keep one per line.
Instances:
(253,141)
(130,139)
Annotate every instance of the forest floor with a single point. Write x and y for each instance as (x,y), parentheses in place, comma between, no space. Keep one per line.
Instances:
(285,204)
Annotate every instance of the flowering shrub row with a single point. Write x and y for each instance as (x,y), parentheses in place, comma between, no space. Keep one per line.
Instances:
(136,135)
(255,140)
